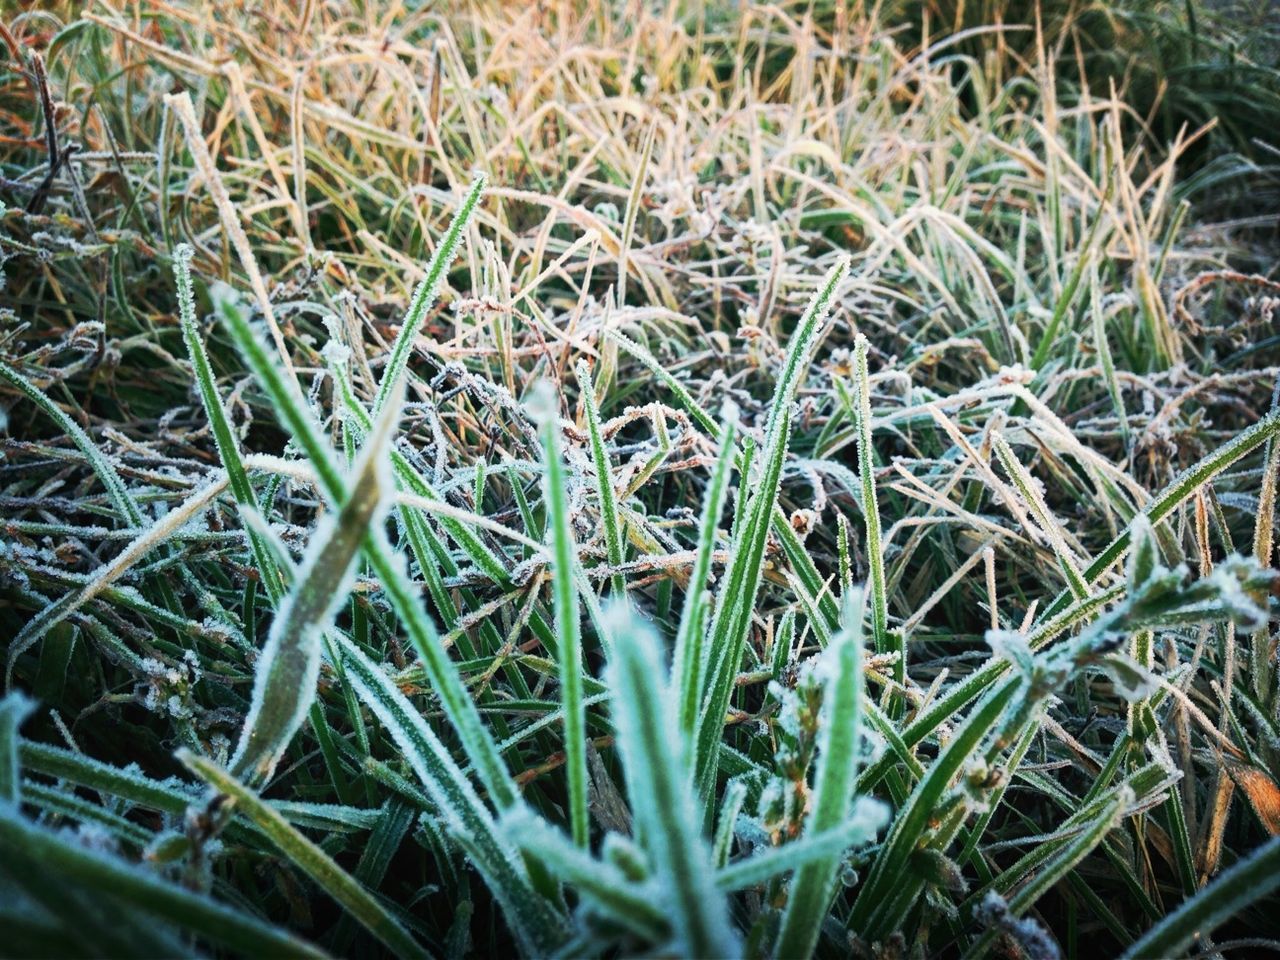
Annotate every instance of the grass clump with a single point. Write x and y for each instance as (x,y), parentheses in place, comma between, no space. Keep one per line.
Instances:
(769,481)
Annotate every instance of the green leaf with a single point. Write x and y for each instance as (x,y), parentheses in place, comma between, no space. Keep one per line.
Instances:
(689,662)
(632,905)
(536,924)
(424,297)
(386,564)
(871,512)
(14,708)
(223,436)
(740,586)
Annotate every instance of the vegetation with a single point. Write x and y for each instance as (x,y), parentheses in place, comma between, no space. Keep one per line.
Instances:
(602,479)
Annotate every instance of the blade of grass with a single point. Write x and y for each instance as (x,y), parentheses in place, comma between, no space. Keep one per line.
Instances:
(1026,486)
(289,665)
(829,846)
(1235,889)
(308,857)
(871,514)
(892,884)
(180,104)
(14,708)
(689,661)
(122,882)
(632,905)
(840,748)
(535,923)
(564,589)
(223,435)
(424,297)
(385,563)
(792,547)
(654,759)
(741,583)
(604,481)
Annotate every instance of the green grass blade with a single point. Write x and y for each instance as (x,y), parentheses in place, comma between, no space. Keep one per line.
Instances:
(125,883)
(564,589)
(102,468)
(425,295)
(1026,486)
(1239,886)
(385,563)
(308,857)
(631,905)
(892,884)
(14,708)
(1173,495)
(840,747)
(823,849)
(224,437)
(533,920)
(649,742)
(689,661)
(289,665)
(604,481)
(871,512)
(741,584)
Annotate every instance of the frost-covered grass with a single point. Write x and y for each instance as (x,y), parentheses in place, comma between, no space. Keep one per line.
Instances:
(582,480)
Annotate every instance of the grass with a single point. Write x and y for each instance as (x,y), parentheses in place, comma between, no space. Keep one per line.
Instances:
(585,479)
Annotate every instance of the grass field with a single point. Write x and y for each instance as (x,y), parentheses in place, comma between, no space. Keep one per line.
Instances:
(619,478)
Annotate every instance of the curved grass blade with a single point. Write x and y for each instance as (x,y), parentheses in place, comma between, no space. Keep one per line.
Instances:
(386,564)
(101,467)
(535,923)
(1173,495)
(308,857)
(180,103)
(735,795)
(823,848)
(602,883)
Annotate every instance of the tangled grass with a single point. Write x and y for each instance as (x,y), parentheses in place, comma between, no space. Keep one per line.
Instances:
(586,480)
